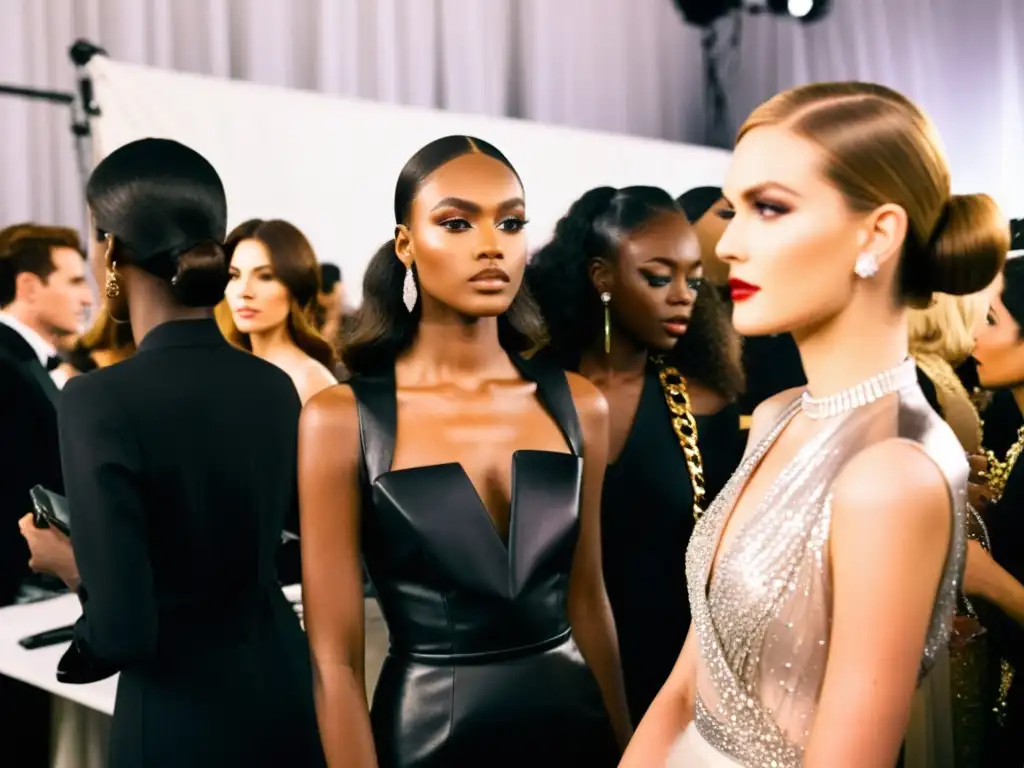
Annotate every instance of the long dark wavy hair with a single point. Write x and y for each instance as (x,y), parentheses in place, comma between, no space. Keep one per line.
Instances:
(293,262)
(383,328)
(594,228)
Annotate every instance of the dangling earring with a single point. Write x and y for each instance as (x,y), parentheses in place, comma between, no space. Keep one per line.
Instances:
(606,299)
(866,266)
(409,291)
(113,287)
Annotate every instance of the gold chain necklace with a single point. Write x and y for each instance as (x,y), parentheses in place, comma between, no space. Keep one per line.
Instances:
(685,425)
(998,472)
(996,476)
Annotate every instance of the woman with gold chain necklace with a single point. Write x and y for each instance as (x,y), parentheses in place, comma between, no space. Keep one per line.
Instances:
(999,351)
(621,290)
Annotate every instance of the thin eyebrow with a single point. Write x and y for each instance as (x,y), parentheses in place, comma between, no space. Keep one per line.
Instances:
(752,192)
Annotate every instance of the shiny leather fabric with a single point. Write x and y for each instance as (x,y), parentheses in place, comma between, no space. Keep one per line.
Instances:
(482,668)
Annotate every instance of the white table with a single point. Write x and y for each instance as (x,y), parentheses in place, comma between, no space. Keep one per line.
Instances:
(39,667)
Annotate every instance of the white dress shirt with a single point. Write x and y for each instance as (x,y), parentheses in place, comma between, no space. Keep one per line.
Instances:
(43,349)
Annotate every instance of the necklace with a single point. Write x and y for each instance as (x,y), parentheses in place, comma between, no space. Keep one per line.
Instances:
(878,386)
(999,471)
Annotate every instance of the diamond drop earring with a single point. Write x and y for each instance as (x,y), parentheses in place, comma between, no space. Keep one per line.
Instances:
(866,266)
(409,291)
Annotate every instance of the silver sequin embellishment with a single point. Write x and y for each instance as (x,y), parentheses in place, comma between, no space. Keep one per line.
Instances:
(763,617)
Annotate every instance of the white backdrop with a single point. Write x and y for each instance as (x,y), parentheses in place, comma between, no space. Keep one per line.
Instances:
(329,164)
(629,66)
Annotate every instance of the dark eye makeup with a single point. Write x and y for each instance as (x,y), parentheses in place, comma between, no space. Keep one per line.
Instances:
(510,224)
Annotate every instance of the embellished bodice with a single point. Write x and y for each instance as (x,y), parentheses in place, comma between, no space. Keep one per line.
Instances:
(763,616)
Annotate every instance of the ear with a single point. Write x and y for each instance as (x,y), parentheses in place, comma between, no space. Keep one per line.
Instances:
(403,245)
(26,285)
(601,276)
(885,231)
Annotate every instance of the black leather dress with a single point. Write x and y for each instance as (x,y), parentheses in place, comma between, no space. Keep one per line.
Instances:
(482,669)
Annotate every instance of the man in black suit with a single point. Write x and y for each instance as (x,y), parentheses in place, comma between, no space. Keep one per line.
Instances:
(43,295)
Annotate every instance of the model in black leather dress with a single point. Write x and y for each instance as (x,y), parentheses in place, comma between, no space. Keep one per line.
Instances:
(482,668)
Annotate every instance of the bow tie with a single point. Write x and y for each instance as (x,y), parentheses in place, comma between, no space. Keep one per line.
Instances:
(53,363)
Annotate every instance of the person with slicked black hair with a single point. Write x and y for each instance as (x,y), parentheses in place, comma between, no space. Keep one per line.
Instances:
(469,479)
(177,495)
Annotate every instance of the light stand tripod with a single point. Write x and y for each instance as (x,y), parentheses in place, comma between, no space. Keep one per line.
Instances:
(83,103)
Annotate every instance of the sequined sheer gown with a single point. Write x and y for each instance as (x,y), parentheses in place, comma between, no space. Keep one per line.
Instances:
(763,618)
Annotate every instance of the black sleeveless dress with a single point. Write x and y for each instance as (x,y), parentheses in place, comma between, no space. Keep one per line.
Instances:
(482,669)
(646,522)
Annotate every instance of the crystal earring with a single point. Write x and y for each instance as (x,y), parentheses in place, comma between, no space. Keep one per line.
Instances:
(866,266)
(113,286)
(606,299)
(409,291)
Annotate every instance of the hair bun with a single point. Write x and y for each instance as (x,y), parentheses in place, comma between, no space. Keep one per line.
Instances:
(966,251)
(201,275)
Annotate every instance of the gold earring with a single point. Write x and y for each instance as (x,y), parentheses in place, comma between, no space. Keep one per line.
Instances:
(606,299)
(113,286)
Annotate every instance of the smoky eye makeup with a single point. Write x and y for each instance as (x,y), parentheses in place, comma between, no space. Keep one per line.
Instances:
(769,209)
(655,280)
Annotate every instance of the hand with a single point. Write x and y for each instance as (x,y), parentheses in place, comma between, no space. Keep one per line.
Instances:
(51,552)
(980,496)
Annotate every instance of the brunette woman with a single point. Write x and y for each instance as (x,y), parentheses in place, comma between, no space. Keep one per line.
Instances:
(271,299)
(622,292)
(471,480)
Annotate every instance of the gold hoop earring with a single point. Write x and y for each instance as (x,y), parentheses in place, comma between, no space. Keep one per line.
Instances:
(113,286)
(606,299)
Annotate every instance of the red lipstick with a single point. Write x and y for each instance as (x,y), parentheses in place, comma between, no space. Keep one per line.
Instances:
(740,290)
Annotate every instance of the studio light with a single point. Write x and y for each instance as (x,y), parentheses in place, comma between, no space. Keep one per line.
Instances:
(802,10)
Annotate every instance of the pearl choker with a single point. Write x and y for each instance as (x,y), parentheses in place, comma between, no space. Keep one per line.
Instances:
(878,386)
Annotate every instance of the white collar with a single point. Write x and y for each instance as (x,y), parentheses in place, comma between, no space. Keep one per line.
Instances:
(43,349)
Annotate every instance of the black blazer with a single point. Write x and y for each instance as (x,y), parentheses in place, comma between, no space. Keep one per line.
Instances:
(180,468)
(31,454)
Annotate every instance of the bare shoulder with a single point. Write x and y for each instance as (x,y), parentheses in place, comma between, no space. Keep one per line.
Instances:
(896,488)
(590,403)
(331,415)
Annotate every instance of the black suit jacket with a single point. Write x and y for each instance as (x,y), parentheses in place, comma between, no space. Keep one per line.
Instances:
(180,468)
(31,455)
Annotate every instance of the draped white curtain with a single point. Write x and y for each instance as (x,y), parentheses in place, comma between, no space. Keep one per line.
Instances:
(959,59)
(627,66)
